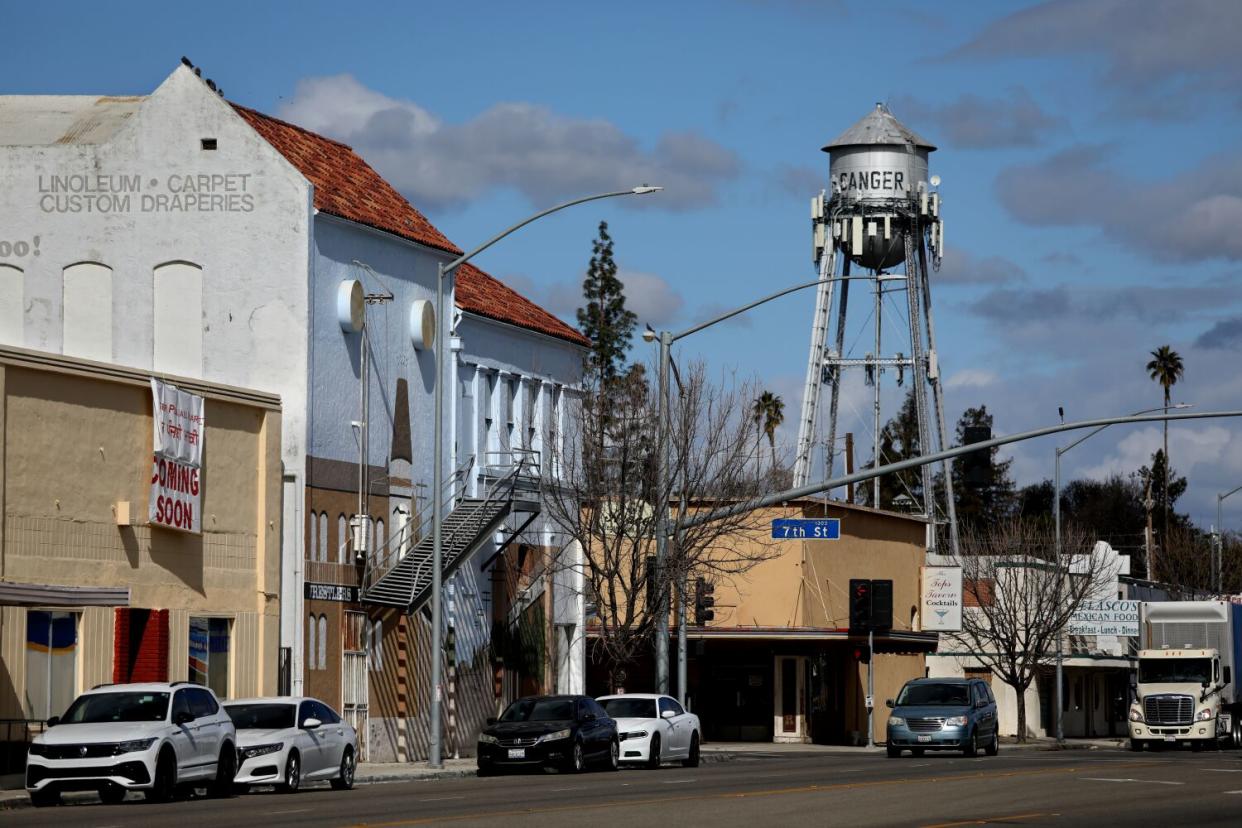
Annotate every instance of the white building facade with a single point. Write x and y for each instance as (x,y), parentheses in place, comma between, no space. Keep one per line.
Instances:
(180,234)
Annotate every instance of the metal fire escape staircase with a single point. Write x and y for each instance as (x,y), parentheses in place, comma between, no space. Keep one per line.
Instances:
(399,573)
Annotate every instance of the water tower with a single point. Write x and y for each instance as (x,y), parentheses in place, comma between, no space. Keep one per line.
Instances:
(881,215)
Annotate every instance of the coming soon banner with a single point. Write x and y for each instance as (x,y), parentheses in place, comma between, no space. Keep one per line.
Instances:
(177,463)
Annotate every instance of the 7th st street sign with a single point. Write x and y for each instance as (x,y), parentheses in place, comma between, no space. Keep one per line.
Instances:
(806,528)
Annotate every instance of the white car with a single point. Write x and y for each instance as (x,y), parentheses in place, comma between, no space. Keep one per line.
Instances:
(152,738)
(290,740)
(654,729)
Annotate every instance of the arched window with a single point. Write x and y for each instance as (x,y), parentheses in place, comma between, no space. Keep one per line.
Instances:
(377,646)
(310,644)
(178,313)
(86,311)
(342,535)
(312,541)
(323,536)
(12,293)
(323,642)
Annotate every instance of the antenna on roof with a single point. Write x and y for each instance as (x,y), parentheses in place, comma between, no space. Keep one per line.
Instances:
(211,84)
(186,61)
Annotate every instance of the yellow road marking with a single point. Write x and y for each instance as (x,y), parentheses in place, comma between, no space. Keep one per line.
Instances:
(630,803)
(989,820)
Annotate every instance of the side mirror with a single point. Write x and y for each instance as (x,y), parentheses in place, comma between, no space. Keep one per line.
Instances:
(491,720)
(1228,680)
(1133,681)
(311,723)
(981,703)
(182,717)
(889,704)
(667,714)
(55,720)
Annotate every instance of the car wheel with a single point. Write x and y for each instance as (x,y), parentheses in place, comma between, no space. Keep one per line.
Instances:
(993,747)
(44,798)
(893,751)
(345,776)
(1136,745)
(972,747)
(692,760)
(576,762)
(111,794)
(614,755)
(293,774)
(653,753)
(482,771)
(165,782)
(241,788)
(1236,731)
(226,768)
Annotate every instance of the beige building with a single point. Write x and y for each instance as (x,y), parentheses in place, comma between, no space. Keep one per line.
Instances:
(90,591)
(777,662)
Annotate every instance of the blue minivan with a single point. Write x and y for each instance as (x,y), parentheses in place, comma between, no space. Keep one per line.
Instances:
(943,714)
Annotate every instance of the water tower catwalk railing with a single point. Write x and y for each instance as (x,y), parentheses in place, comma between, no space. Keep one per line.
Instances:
(883,212)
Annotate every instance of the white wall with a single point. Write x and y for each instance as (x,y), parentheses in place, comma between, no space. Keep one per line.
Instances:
(250,328)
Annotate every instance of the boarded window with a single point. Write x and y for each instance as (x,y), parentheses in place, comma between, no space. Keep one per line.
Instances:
(87,311)
(51,662)
(178,311)
(978,592)
(12,295)
(209,654)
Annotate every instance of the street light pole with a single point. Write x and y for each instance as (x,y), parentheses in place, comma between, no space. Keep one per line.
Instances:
(437,486)
(666,340)
(1219,563)
(1056,519)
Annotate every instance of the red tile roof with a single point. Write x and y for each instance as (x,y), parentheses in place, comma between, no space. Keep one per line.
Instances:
(345,185)
(485,295)
(349,188)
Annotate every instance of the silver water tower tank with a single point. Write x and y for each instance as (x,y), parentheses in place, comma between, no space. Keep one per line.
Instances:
(878,169)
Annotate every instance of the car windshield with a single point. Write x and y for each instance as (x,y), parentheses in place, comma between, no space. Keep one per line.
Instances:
(539,710)
(96,708)
(918,694)
(630,708)
(261,716)
(1175,670)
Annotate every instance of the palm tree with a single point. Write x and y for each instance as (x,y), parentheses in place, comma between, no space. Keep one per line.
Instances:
(1165,368)
(768,414)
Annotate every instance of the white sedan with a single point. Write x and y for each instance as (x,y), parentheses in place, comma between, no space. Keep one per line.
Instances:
(289,740)
(654,729)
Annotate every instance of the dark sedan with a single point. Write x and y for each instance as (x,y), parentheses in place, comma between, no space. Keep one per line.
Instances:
(565,732)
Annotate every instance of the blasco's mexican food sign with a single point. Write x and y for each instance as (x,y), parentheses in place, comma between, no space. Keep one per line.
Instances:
(177,459)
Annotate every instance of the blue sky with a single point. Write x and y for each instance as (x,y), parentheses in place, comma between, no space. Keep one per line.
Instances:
(1093,202)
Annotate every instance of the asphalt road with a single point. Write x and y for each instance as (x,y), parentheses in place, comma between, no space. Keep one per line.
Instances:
(1018,787)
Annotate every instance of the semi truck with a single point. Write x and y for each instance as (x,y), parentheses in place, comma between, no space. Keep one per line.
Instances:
(1186,685)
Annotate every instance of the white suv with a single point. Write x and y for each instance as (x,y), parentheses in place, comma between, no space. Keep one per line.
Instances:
(152,738)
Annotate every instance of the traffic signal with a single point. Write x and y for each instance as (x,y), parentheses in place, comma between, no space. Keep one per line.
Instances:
(862,654)
(881,605)
(703,602)
(975,464)
(860,604)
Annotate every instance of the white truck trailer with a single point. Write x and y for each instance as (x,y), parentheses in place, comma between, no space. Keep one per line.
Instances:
(1187,682)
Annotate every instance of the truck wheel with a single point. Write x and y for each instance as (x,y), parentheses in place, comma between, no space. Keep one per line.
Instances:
(1236,730)
(1136,745)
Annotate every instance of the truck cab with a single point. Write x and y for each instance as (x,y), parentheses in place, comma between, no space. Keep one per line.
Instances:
(1179,698)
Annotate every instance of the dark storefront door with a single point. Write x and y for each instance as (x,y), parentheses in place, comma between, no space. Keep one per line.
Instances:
(739,706)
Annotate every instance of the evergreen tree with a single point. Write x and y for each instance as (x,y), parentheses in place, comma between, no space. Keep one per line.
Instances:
(986,496)
(899,440)
(605,320)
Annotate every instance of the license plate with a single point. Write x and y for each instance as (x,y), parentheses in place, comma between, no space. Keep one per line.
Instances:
(517,753)
(924,738)
(1170,738)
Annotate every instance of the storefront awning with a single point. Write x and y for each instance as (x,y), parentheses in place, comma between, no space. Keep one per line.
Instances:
(48,595)
(921,639)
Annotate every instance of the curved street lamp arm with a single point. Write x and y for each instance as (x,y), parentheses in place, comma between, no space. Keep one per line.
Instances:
(465,257)
(1101,428)
(730,314)
(948,454)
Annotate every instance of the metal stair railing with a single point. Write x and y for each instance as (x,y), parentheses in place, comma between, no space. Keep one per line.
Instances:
(378,565)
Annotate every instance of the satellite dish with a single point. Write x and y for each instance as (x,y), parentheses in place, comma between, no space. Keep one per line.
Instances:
(350,305)
(935,181)
(422,324)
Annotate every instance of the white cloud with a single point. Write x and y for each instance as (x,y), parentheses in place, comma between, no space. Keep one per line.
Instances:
(651,297)
(515,145)
(971,378)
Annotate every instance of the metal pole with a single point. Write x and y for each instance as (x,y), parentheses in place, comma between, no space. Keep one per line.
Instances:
(875,377)
(870,687)
(437,525)
(1220,540)
(663,494)
(1056,519)
(437,505)
(683,588)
